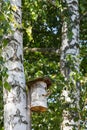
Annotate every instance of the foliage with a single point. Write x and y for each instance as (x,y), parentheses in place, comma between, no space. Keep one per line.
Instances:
(42,29)
(39,65)
(41,23)
(83,19)
(42,18)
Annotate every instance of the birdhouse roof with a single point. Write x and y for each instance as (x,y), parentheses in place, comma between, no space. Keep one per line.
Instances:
(45,79)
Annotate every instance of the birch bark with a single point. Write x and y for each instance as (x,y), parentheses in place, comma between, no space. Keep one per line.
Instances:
(70,48)
(15,105)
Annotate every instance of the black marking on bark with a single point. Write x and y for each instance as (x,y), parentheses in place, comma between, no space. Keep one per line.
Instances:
(14,58)
(17,69)
(74,46)
(25,122)
(16,12)
(18,114)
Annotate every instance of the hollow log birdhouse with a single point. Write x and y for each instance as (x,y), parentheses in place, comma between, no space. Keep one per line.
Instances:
(38,93)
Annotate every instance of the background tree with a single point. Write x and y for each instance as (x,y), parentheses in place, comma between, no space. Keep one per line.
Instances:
(70,65)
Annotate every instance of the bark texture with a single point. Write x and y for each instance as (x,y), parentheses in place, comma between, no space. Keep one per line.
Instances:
(15,107)
(70,50)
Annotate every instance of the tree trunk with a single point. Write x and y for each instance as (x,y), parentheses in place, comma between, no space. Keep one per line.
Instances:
(15,103)
(70,64)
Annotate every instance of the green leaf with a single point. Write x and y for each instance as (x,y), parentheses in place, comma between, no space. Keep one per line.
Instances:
(1,60)
(5,42)
(1,83)
(7,86)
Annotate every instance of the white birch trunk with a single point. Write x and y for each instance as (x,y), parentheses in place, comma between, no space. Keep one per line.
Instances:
(70,47)
(15,105)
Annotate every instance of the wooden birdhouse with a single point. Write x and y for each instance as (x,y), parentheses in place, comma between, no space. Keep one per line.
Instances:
(38,93)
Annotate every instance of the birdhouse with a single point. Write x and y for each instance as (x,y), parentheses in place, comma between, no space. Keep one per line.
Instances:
(38,94)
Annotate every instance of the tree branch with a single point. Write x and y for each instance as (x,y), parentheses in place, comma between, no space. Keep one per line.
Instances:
(43,50)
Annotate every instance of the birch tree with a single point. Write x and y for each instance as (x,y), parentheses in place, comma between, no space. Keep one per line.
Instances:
(70,64)
(42,41)
(15,104)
